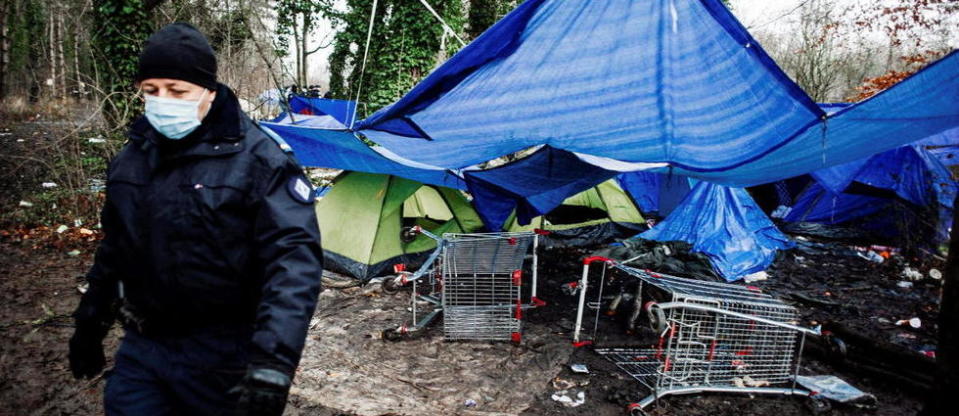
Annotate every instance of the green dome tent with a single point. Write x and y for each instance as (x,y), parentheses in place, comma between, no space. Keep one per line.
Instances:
(363,215)
(596,215)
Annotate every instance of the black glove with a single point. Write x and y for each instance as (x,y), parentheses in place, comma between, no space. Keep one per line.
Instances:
(86,352)
(263,391)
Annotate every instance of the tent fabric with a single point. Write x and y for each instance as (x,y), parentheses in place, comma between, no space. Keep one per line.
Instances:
(945,146)
(854,191)
(675,81)
(597,215)
(341,110)
(531,186)
(317,122)
(820,205)
(654,193)
(607,198)
(337,149)
(363,215)
(726,225)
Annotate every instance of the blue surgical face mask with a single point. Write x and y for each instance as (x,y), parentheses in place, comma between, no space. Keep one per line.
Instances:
(173,117)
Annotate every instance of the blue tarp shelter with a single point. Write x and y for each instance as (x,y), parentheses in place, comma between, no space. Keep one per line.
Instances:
(677,82)
(654,193)
(725,224)
(341,110)
(868,188)
(340,149)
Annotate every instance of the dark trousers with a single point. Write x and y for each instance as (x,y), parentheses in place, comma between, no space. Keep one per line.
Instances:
(190,375)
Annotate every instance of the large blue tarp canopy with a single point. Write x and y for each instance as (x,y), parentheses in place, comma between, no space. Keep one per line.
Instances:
(725,224)
(674,81)
(341,110)
(340,149)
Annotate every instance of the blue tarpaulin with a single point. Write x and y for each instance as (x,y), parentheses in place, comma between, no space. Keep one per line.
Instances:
(341,110)
(867,187)
(725,224)
(533,186)
(673,81)
(303,120)
(339,149)
(654,192)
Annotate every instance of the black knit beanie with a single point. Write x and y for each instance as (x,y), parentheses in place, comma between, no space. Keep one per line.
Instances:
(178,51)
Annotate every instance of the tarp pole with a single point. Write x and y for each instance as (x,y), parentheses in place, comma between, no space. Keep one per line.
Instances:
(582,301)
(535,264)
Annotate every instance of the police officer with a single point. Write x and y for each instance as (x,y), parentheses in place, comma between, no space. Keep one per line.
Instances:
(211,254)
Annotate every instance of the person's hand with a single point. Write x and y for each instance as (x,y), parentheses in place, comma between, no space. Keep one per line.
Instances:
(263,391)
(86,354)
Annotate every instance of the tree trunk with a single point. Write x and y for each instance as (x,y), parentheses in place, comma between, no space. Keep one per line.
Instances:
(947,352)
(304,38)
(4,45)
(62,59)
(51,52)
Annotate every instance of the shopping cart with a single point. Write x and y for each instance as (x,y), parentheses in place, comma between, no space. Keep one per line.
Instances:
(475,281)
(715,337)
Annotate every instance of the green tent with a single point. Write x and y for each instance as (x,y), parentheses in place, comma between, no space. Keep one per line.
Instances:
(363,215)
(595,215)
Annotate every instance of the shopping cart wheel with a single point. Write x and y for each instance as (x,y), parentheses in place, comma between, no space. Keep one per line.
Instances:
(818,405)
(657,318)
(635,410)
(390,285)
(391,334)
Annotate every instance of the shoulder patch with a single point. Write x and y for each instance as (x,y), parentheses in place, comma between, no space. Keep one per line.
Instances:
(284,146)
(300,190)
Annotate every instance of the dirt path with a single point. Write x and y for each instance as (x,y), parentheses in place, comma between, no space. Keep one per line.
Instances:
(348,370)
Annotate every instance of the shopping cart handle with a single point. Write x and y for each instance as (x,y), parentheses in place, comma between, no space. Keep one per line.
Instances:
(592,259)
(541,231)
(537,302)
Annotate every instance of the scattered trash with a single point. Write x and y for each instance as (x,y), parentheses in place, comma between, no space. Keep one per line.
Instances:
(20,140)
(26,204)
(871,256)
(904,284)
(906,335)
(62,228)
(579,368)
(570,288)
(562,397)
(883,320)
(82,287)
(914,322)
(562,384)
(781,212)
(469,403)
(935,274)
(834,388)
(747,381)
(73,253)
(755,277)
(48,185)
(77,222)
(911,274)
(96,140)
(86,231)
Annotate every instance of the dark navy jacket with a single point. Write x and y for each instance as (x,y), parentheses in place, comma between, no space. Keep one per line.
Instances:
(213,230)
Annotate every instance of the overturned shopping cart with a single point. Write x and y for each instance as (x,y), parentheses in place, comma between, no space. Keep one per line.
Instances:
(475,281)
(715,337)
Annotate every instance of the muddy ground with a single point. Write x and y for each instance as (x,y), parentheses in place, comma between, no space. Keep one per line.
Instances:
(348,370)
